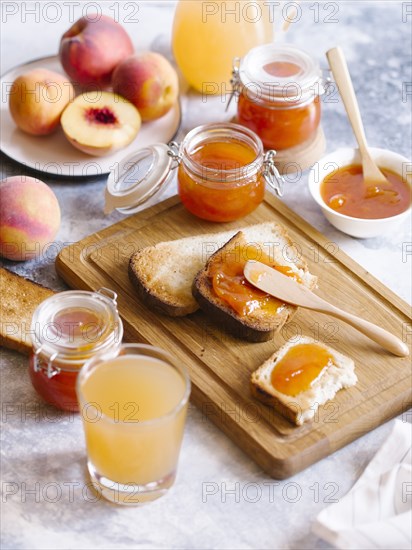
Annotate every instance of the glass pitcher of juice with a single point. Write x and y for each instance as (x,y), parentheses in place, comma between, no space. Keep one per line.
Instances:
(207,36)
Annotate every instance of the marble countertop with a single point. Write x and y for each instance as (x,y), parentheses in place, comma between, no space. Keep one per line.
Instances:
(46,502)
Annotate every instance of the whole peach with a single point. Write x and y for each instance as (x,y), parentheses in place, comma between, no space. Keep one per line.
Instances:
(148,81)
(29,217)
(91,49)
(37,100)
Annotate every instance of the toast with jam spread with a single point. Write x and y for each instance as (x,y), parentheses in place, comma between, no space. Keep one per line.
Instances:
(223,293)
(300,377)
(163,274)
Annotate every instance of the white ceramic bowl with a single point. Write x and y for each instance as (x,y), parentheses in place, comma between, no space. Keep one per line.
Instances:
(359,227)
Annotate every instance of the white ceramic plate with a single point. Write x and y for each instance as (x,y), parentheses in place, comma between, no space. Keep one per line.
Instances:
(53,154)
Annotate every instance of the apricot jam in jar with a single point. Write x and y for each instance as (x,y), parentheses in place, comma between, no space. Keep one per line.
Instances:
(222,171)
(67,329)
(279,88)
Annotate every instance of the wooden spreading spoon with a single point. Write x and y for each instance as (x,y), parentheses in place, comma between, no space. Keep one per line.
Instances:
(373,177)
(285,288)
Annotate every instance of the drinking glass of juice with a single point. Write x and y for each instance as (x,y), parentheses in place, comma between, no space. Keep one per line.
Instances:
(133,404)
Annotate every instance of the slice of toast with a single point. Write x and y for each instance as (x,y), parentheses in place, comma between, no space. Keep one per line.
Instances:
(19,298)
(302,407)
(259,325)
(163,274)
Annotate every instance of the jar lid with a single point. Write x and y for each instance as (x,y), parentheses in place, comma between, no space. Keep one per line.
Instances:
(137,178)
(280,72)
(75,324)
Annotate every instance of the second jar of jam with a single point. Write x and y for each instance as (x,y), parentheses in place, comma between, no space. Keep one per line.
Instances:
(279,88)
(67,329)
(222,172)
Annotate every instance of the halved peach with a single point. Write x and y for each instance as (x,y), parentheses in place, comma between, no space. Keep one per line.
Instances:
(99,125)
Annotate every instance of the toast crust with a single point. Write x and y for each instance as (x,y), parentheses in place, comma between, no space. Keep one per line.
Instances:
(150,297)
(286,410)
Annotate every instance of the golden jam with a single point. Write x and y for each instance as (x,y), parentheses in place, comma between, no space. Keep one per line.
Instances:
(282,127)
(78,323)
(281,68)
(68,329)
(344,190)
(230,284)
(222,180)
(302,364)
(279,87)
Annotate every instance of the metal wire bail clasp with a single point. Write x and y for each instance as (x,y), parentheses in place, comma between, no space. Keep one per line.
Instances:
(108,293)
(174,152)
(235,81)
(327,82)
(271,173)
(45,365)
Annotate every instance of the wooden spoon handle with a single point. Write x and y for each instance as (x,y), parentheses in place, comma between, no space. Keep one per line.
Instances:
(379,335)
(343,80)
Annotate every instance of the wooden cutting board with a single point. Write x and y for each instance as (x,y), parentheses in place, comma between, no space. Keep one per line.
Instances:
(220,365)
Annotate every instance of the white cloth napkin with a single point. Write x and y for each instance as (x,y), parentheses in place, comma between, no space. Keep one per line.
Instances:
(377,511)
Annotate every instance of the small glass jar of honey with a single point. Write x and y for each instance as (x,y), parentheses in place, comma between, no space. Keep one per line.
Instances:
(222,172)
(279,88)
(67,329)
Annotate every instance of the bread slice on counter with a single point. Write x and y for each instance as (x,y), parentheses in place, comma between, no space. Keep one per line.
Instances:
(339,373)
(19,298)
(260,324)
(163,274)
